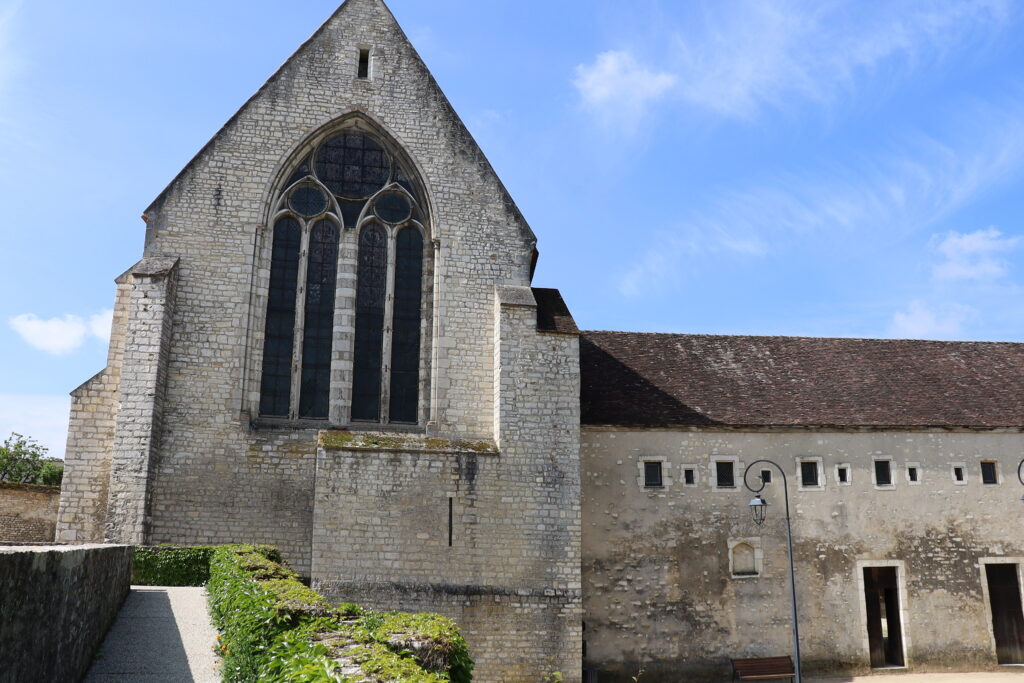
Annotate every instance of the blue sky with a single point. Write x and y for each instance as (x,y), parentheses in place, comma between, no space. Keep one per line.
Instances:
(819,168)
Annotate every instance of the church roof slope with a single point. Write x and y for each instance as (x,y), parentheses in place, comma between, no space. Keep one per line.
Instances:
(643,379)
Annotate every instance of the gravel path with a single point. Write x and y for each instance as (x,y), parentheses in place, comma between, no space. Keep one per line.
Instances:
(1011,673)
(160,634)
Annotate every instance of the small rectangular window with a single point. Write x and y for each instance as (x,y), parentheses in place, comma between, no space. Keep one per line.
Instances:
(688,477)
(883,473)
(843,474)
(724,474)
(988,473)
(652,474)
(364,62)
(958,473)
(912,474)
(766,476)
(809,473)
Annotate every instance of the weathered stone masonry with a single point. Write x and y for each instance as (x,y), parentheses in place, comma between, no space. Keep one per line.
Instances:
(28,513)
(180,454)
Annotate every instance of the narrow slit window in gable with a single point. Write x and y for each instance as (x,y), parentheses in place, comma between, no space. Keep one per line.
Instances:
(364,62)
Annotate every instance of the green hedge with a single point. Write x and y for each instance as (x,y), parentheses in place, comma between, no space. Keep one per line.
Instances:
(275,628)
(174,565)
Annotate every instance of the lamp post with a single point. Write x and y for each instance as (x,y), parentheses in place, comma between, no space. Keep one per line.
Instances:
(758,510)
(1020,475)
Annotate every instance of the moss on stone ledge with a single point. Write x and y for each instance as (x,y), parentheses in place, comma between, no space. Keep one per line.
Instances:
(343,440)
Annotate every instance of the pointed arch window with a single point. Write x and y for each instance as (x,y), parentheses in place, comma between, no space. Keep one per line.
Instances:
(350,206)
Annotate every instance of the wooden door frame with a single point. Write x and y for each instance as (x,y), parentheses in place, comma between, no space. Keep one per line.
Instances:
(901,588)
(982,563)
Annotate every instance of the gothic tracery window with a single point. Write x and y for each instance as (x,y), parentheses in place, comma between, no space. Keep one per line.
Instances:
(350,202)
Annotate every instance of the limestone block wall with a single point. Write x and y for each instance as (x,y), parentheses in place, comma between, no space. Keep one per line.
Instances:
(28,514)
(57,603)
(259,489)
(207,482)
(83,504)
(658,590)
(488,533)
(138,426)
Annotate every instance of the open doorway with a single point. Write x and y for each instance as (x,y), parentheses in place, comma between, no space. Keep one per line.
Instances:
(885,632)
(1007,617)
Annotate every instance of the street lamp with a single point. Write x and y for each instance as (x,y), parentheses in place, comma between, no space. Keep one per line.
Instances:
(1020,475)
(758,510)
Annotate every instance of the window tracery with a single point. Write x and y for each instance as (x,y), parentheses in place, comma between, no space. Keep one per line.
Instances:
(348,201)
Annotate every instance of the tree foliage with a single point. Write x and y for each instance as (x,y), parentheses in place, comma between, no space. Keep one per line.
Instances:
(23,461)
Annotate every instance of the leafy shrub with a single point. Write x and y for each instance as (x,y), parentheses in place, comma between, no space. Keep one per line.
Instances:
(173,565)
(275,628)
(23,461)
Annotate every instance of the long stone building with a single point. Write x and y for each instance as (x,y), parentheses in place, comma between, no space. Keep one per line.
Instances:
(332,344)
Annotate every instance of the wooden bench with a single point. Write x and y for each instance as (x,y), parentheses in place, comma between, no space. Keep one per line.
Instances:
(763,668)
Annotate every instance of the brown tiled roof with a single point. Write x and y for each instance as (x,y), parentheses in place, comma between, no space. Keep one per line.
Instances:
(552,313)
(638,379)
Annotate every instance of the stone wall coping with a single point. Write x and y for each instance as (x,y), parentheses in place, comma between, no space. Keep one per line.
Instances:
(344,440)
(515,296)
(154,265)
(56,548)
(40,488)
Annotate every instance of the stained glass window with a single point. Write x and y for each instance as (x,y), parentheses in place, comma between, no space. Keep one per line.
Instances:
(308,200)
(393,207)
(405,338)
(352,165)
(370,291)
(319,330)
(275,391)
(349,182)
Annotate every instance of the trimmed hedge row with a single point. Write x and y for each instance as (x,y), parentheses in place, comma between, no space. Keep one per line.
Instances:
(168,565)
(275,628)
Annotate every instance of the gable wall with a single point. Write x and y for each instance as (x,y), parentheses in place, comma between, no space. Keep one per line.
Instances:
(212,219)
(216,478)
(657,587)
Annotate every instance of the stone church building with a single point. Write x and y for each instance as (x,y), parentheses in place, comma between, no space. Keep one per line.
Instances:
(332,344)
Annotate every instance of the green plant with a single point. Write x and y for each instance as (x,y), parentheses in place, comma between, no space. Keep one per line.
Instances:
(554,677)
(23,461)
(275,628)
(172,565)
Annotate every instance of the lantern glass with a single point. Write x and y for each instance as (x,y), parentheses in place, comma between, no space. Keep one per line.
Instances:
(758,509)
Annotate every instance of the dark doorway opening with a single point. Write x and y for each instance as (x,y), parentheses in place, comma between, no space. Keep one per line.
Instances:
(1007,618)
(885,632)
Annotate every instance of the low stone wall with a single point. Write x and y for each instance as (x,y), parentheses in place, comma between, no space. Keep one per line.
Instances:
(57,603)
(28,513)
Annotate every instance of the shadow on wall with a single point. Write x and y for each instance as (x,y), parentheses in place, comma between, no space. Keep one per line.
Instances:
(143,642)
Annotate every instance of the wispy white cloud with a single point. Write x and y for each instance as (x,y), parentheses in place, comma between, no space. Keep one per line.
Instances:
(742,55)
(64,334)
(619,89)
(921,321)
(100,323)
(41,417)
(890,194)
(978,255)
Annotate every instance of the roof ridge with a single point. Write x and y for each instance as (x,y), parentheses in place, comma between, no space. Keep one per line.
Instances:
(808,337)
